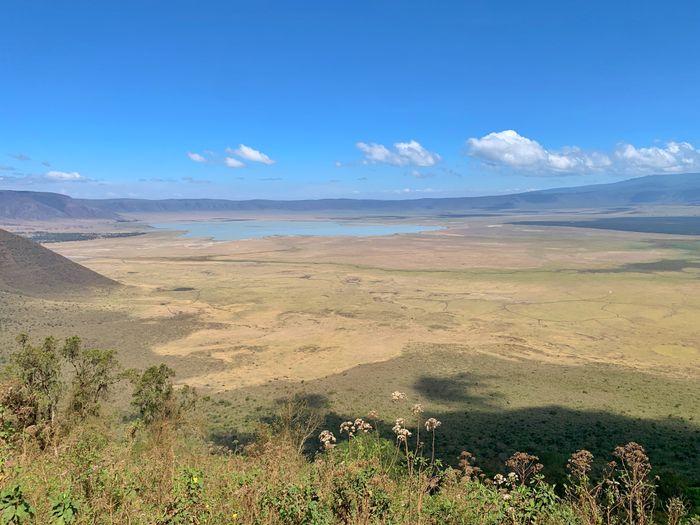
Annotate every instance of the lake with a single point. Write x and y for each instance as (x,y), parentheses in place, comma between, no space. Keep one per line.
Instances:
(234,230)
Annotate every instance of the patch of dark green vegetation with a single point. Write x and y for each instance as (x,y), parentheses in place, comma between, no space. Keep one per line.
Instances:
(688,246)
(475,399)
(689,225)
(49,237)
(183,289)
(664,265)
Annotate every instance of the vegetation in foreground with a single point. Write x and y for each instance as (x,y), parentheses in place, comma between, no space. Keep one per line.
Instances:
(64,460)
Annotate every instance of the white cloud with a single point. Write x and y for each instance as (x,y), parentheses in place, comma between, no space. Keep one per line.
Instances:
(509,149)
(376,153)
(248,153)
(410,153)
(675,157)
(196,157)
(233,163)
(64,175)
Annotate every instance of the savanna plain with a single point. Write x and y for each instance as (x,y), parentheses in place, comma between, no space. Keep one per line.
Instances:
(515,337)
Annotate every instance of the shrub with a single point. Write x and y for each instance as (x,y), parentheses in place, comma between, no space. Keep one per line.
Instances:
(64,510)
(358,493)
(14,508)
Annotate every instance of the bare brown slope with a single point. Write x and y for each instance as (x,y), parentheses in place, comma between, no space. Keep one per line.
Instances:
(28,268)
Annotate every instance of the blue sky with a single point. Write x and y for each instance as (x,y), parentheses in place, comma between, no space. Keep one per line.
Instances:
(380,99)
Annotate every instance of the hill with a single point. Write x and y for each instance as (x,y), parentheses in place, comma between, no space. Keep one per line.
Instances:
(681,189)
(28,268)
(42,206)
(652,190)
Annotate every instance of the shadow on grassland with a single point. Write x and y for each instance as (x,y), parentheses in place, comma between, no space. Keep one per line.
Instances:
(553,433)
(494,407)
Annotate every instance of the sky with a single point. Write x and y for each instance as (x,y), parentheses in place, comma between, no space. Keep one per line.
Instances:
(363,99)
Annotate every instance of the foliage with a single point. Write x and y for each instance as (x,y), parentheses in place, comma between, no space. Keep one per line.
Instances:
(38,369)
(153,394)
(14,508)
(186,505)
(64,510)
(95,372)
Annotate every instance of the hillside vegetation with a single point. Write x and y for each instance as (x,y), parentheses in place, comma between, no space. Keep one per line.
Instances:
(65,458)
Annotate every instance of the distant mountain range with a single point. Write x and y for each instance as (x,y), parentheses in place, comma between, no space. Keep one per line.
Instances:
(42,206)
(30,269)
(652,190)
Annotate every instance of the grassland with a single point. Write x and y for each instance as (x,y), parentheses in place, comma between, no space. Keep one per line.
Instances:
(546,340)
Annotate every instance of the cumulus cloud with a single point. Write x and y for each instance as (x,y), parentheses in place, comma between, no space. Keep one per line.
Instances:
(410,153)
(510,149)
(674,157)
(248,153)
(64,176)
(233,163)
(513,150)
(196,157)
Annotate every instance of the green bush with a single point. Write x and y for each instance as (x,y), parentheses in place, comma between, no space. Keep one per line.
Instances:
(14,508)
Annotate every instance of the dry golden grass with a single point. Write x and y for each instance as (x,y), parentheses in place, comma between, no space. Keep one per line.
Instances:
(304,308)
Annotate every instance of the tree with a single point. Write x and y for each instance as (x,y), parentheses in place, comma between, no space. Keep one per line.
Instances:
(96,371)
(38,368)
(155,397)
(153,393)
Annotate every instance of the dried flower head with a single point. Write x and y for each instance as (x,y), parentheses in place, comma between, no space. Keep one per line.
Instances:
(432,424)
(327,439)
(579,464)
(347,427)
(373,414)
(402,433)
(634,458)
(524,465)
(417,409)
(362,426)
(467,465)
(398,396)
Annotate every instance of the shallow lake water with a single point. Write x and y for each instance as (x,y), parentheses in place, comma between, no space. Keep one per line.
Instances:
(232,230)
